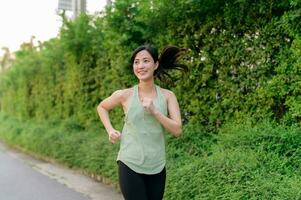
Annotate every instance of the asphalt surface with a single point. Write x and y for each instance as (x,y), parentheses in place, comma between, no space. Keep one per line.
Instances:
(25,178)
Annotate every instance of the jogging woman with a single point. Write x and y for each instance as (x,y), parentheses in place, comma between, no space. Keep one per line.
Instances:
(149,109)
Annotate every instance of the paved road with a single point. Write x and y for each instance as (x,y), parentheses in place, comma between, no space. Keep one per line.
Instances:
(25,178)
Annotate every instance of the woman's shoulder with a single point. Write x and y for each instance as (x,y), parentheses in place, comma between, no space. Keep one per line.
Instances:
(167,93)
(124,94)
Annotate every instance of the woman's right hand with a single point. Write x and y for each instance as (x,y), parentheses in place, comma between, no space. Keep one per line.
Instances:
(114,135)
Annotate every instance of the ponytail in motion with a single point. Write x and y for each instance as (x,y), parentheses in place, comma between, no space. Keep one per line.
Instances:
(167,60)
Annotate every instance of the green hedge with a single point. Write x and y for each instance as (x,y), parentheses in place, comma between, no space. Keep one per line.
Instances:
(244,59)
(240,162)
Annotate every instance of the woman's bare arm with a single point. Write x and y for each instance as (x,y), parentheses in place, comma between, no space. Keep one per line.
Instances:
(103,111)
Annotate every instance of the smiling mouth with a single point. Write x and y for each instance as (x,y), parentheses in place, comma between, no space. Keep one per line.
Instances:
(141,72)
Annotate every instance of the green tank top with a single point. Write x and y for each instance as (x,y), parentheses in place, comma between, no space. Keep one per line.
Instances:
(142,145)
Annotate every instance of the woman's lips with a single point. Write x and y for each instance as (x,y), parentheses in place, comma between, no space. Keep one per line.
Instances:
(141,72)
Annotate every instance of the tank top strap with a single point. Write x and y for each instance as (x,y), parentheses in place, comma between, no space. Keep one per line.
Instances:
(135,98)
(135,91)
(159,94)
(161,99)
(133,101)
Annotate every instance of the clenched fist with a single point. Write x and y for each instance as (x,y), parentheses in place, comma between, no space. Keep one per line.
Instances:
(114,135)
(148,104)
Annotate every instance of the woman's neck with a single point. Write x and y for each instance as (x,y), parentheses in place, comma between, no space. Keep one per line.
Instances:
(146,86)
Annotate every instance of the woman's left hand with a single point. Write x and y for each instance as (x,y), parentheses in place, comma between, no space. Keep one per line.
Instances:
(147,104)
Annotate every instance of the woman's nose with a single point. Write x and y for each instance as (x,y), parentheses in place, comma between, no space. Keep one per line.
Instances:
(141,66)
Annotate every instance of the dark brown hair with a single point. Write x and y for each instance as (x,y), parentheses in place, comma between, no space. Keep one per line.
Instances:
(167,60)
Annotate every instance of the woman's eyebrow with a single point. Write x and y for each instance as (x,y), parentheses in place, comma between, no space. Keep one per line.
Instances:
(142,58)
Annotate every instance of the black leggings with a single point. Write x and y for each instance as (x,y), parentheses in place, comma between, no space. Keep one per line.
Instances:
(135,186)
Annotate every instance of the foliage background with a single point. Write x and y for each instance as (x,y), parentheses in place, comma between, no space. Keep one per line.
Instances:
(244,60)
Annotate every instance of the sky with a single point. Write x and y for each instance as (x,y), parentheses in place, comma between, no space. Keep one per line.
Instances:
(21,19)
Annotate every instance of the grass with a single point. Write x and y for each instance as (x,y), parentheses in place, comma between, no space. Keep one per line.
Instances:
(240,162)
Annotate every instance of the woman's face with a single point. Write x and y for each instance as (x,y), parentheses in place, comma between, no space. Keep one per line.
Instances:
(144,65)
